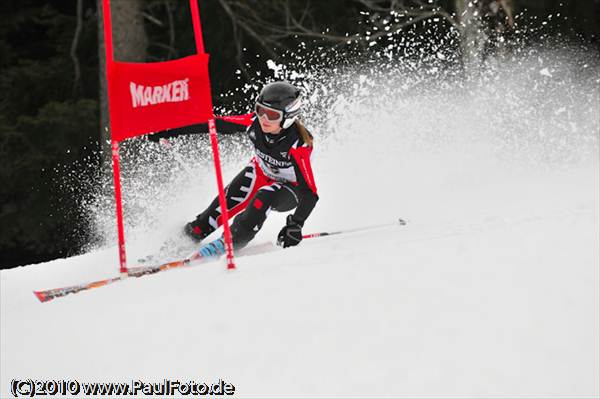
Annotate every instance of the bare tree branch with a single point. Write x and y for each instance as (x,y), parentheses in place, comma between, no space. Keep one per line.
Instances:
(172,51)
(509,10)
(248,24)
(152,19)
(271,23)
(74,45)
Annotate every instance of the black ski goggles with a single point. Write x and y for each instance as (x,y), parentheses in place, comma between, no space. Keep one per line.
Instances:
(272,114)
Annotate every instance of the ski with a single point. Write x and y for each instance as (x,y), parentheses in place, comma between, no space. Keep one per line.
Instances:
(140,271)
(48,295)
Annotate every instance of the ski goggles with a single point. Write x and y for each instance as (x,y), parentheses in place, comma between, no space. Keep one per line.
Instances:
(272,114)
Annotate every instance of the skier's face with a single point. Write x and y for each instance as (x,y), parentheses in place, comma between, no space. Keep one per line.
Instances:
(268,126)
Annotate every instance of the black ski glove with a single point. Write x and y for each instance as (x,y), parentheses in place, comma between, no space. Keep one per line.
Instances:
(291,234)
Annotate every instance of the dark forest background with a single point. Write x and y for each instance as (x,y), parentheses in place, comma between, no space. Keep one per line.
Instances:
(51,86)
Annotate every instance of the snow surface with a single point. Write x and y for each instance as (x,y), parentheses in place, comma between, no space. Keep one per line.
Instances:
(491,289)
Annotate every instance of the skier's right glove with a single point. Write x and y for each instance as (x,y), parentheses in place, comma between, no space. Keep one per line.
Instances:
(194,232)
(291,234)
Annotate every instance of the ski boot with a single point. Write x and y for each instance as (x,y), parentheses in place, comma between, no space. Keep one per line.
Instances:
(213,249)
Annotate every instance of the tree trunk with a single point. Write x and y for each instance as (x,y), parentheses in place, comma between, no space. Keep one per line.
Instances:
(129,37)
(483,25)
(104,116)
(472,33)
(129,44)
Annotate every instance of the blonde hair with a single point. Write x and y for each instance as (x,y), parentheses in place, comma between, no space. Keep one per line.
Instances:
(304,134)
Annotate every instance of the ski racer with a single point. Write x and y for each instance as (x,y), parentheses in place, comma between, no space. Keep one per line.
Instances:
(279,177)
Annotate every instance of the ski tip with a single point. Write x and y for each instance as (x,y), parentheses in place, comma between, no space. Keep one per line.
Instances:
(41,296)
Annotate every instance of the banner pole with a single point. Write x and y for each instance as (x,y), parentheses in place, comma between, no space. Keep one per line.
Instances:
(222,200)
(120,229)
(197,26)
(108,45)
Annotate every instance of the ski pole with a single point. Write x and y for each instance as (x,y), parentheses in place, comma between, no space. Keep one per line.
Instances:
(400,222)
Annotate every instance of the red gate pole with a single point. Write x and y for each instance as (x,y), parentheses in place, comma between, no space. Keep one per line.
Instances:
(108,43)
(222,200)
(197,27)
(212,130)
(120,229)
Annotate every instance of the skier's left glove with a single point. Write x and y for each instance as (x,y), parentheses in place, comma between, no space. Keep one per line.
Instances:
(291,234)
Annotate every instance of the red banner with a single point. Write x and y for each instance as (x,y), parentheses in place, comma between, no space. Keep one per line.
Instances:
(152,97)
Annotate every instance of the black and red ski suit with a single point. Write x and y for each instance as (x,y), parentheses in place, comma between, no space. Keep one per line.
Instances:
(278,177)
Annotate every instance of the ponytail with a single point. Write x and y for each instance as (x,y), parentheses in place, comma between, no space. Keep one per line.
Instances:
(304,134)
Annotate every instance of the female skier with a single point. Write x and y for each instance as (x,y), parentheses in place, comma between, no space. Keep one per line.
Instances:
(278,177)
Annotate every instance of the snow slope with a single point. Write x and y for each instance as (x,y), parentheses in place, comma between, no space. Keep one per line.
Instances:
(492,289)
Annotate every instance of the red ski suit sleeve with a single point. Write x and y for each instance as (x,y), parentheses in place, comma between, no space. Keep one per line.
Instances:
(307,187)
